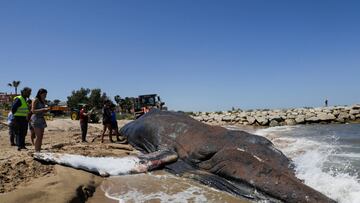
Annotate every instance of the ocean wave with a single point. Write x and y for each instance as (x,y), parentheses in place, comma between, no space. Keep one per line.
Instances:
(313,155)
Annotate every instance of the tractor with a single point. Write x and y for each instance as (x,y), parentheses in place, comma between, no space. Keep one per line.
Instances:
(143,103)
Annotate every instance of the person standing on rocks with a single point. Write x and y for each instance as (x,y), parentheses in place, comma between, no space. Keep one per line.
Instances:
(84,120)
(20,110)
(39,108)
(326,102)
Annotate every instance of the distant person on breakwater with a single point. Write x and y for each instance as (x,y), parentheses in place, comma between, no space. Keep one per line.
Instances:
(326,102)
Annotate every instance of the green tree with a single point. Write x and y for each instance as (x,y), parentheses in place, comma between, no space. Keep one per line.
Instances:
(127,104)
(14,84)
(56,102)
(94,98)
(78,96)
(117,99)
(97,99)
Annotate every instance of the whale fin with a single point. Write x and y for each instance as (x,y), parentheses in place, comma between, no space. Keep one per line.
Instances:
(110,166)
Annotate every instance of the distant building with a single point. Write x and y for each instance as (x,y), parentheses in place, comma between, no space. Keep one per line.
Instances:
(6,99)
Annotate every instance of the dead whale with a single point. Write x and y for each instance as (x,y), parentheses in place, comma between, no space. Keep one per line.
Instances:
(240,163)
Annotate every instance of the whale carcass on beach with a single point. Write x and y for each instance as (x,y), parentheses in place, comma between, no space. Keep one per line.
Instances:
(238,162)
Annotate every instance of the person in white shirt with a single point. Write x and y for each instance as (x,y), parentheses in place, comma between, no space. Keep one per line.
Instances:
(10,121)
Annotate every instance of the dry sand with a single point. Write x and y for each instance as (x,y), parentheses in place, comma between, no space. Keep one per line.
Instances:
(22,179)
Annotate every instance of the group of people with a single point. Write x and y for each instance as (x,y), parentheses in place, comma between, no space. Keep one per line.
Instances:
(109,122)
(26,114)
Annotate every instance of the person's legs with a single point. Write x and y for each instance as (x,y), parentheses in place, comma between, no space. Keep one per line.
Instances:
(23,132)
(39,132)
(103,133)
(20,132)
(84,127)
(17,132)
(107,126)
(12,134)
(18,138)
(110,132)
(32,134)
(115,128)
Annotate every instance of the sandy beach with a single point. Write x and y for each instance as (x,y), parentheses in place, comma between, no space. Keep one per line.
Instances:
(22,178)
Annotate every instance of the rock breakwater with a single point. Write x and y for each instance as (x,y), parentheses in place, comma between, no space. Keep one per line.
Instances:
(278,117)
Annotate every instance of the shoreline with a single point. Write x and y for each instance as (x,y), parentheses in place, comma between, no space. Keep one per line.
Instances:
(24,179)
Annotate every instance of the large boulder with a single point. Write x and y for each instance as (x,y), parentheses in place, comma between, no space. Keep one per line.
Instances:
(262,120)
(325,117)
(228,118)
(356,107)
(300,119)
(251,120)
(290,121)
(342,117)
(273,123)
(354,111)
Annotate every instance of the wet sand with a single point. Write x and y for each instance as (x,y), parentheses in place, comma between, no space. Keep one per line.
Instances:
(159,186)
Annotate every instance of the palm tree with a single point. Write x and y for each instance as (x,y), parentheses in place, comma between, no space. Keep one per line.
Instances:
(117,99)
(14,84)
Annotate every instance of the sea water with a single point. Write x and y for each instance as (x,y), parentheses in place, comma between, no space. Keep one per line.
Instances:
(326,157)
(160,186)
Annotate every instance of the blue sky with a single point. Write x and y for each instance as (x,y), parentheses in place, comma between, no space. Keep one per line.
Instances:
(198,55)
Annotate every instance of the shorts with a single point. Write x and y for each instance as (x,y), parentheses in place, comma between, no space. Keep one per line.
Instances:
(39,123)
(114,125)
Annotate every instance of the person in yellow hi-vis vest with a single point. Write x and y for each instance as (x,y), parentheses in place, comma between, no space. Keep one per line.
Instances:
(20,110)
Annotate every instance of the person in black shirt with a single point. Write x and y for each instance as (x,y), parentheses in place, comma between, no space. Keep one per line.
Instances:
(84,120)
(107,120)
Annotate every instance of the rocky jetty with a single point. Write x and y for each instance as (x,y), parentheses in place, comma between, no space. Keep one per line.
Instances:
(278,117)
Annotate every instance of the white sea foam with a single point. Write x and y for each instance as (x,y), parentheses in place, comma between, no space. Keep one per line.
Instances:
(192,193)
(350,155)
(310,158)
(164,190)
(336,184)
(266,131)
